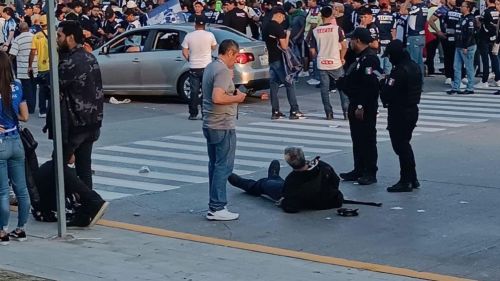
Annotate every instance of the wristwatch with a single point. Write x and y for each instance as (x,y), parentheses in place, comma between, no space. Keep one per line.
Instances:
(360,106)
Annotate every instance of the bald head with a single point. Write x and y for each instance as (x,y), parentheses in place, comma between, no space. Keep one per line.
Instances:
(23,27)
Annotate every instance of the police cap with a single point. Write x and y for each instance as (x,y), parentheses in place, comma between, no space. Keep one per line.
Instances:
(396,47)
(362,34)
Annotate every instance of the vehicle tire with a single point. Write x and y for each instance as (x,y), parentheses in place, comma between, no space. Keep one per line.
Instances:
(183,87)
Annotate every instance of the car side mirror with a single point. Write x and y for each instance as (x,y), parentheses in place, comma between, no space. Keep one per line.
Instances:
(105,50)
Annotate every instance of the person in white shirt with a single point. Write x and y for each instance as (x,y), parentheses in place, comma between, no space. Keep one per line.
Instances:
(329,45)
(197,48)
(21,49)
(133,43)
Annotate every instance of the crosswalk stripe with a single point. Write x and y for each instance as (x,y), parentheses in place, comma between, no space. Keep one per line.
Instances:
(426,117)
(454,113)
(493,99)
(294,141)
(161,164)
(150,175)
(140,185)
(203,148)
(461,103)
(187,156)
(109,195)
(464,108)
(379,121)
(477,93)
(253,144)
(382,126)
(294,133)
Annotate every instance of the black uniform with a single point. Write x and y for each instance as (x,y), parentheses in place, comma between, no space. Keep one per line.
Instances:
(401,95)
(237,19)
(448,19)
(362,87)
(487,37)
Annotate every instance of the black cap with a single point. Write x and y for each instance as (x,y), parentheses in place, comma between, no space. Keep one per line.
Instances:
(200,20)
(362,34)
(394,47)
(365,11)
(28,6)
(229,2)
(278,9)
(270,2)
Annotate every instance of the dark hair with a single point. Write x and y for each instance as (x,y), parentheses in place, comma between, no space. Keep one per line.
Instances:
(227,45)
(9,11)
(71,27)
(491,1)
(6,79)
(470,5)
(326,12)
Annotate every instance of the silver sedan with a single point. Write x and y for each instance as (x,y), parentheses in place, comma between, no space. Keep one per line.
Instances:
(157,67)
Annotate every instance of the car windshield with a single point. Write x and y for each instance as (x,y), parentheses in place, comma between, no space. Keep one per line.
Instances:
(222,33)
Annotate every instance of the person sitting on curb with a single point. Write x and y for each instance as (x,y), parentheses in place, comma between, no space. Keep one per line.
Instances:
(311,185)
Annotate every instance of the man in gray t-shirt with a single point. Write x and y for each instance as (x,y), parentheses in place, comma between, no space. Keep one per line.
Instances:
(220,101)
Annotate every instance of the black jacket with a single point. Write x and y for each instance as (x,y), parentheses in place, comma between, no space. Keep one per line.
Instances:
(360,82)
(403,87)
(316,189)
(466,32)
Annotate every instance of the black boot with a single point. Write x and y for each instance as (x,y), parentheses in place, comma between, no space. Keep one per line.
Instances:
(329,116)
(350,176)
(274,169)
(367,180)
(401,186)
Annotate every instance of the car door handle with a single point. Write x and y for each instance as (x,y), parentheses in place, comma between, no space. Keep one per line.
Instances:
(179,59)
(136,60)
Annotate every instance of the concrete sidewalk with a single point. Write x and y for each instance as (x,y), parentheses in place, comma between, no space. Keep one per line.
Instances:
(104,253)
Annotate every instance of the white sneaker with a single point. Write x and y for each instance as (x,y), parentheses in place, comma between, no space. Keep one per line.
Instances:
(447,81)
(313,82)
(333,91)
(303,74)
(497,83)
(482,85)
(42,115)
(465,81)
(222,215)
(491,76)
(463,86)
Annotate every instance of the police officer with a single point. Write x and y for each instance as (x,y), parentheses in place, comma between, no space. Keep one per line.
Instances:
(361,85)
(401,95)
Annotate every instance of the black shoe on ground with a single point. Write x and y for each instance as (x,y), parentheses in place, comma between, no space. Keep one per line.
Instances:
(496,93)
(96,212)
(234,179)
(367,180)
(277,115)
(193,117)
(4,240)
(452,92)
(329,116)
(293,115)
(80,219)
(401,186)
(345,116)
(415,184)
(274,169)
(18,235)
(299,113)
(350,176)
(466,92)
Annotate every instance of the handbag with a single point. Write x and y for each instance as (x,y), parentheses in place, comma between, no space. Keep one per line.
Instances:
(29,142)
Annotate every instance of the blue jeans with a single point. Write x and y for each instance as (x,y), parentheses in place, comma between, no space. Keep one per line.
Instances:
(29,93)
(195,77)
(12,167)
(43,81)
(325,76)
(466,60)
(385,64)
(221,147)
(486,55)
(270,186)
(415,47)
(277,73)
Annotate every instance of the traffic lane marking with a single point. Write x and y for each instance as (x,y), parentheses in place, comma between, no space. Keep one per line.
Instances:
(280,251)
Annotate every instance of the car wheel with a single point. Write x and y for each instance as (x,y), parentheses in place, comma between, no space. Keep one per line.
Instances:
(183,87)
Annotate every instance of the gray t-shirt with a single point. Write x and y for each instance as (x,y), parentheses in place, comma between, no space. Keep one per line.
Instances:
(218,116)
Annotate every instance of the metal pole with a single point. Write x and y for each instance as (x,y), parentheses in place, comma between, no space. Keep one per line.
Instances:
(56,121)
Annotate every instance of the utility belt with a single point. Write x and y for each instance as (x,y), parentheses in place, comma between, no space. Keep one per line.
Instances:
(9,132)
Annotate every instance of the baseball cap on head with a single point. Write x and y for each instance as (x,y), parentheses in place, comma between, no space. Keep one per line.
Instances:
(131,4)
(287,6)
(362,34)
(394,47)
(365,11)
(278,10)
(199,20)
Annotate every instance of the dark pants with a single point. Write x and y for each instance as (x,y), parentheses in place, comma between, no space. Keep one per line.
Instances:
(270,186)
(431,48)
(449,57)
(43,81)
(45,182)
(80,145)
(29,93)
(364,141)
(401,122)
(486,55)
(195,77)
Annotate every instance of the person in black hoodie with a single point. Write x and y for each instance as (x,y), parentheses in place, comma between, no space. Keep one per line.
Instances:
(312,185)
(401,95)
